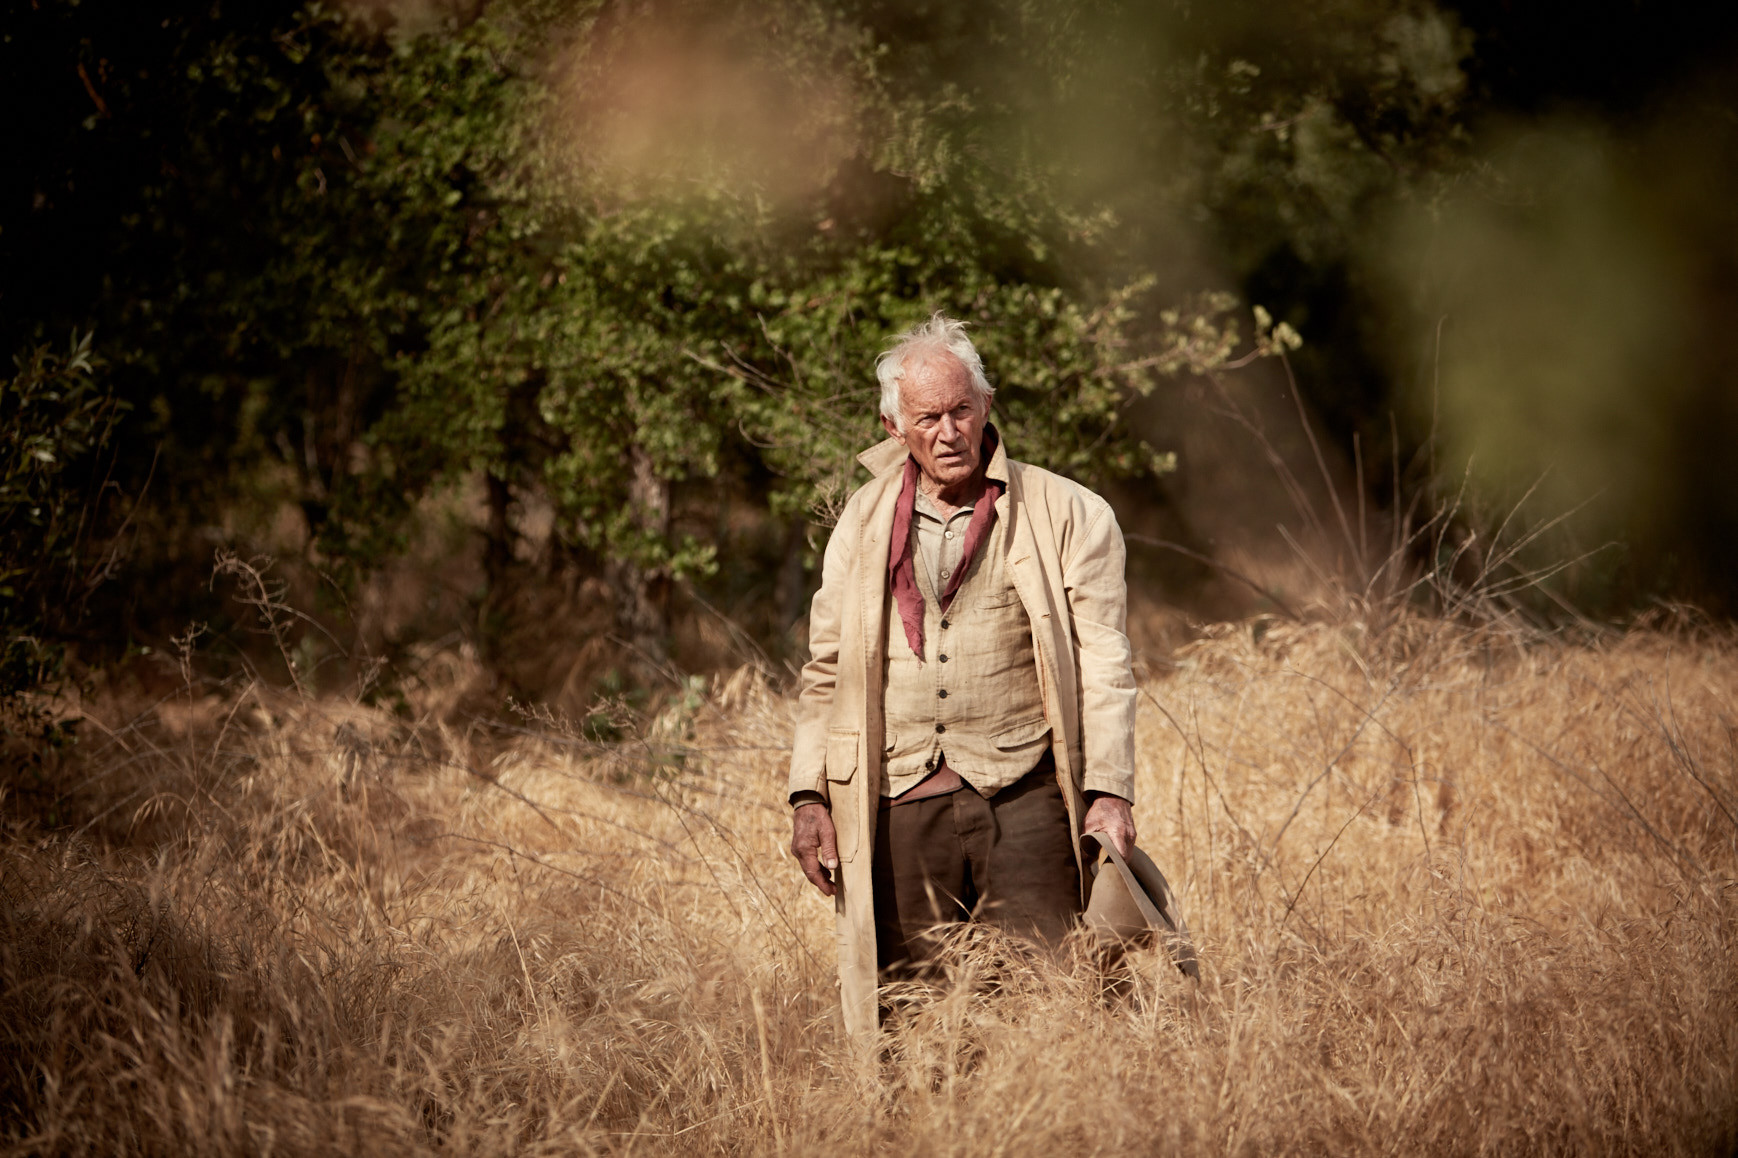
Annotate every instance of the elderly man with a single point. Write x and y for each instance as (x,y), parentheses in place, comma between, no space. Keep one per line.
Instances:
(969,707)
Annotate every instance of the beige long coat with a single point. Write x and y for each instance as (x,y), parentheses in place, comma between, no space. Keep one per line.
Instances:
(1066,555)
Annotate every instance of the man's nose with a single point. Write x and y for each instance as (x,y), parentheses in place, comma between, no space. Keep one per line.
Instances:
(949,430)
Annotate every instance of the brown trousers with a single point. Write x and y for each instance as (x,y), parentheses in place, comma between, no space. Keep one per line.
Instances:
(1007,859)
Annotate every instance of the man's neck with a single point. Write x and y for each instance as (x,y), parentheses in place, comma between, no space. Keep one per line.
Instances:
(947,500)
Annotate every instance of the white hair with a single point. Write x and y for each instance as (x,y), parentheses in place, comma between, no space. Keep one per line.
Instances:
(940,335)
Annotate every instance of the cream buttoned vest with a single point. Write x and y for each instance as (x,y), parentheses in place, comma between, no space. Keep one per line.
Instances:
(975,698)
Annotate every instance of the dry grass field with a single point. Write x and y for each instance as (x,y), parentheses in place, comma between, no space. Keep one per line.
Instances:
(1455,892)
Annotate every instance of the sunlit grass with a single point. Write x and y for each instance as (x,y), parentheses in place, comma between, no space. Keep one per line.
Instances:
(1454,892)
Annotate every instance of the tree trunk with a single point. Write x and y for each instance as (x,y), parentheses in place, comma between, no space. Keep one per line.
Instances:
(498,552)
(643,593)
(791,586)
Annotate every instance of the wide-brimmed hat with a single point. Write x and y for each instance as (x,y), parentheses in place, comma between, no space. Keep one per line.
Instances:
(1132,903)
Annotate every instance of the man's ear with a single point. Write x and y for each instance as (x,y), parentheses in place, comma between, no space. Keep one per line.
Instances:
(892,430)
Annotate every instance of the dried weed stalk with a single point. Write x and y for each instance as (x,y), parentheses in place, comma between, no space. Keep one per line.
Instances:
(1456,891)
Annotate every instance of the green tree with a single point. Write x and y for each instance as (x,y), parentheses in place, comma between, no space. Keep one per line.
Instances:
(638,258)
(56,418)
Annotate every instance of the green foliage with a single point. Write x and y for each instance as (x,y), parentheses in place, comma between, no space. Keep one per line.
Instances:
(554,321)
(640,264)
(55,417)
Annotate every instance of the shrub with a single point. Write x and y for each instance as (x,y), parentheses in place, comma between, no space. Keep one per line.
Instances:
(56,417)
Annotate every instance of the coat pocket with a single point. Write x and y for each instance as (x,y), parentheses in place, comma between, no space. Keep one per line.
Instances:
(846,805)
(1026,734)
(841,756)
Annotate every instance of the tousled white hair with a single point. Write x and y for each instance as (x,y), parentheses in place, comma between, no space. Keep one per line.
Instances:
(939,335)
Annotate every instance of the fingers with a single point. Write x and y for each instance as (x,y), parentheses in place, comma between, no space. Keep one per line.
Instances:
(829,841)
(1120,835)
(803,846)
(1112,817)
(815,846)
(818,876)
(1123,834)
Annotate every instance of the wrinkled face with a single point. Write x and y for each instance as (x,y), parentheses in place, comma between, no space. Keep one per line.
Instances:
(944,420)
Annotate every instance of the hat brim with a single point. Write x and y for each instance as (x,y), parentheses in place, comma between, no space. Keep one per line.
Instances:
(1132,902)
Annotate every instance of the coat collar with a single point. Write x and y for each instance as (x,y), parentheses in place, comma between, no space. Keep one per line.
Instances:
(889,455)
(884,457)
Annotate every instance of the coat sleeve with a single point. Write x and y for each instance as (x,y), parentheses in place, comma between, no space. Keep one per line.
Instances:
(820,675)
(1097,590)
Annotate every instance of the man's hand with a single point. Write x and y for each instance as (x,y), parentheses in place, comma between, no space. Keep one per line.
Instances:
(1111,815)
(816,846)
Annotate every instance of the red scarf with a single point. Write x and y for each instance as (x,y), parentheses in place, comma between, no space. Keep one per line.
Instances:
(901,560)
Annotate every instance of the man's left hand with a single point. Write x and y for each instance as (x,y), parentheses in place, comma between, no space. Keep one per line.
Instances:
(1114,817)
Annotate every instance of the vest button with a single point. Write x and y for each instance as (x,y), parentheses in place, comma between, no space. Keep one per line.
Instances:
(944,625)
(942,693)
(941,727)
(929,763)
(944,659)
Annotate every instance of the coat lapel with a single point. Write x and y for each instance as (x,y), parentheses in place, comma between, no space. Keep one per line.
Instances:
(1049,635)
(856,898)
(885,461)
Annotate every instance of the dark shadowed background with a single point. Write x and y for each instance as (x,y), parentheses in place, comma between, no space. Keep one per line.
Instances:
(547,328)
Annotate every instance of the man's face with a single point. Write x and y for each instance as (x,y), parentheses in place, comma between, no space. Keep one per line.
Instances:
(944,420)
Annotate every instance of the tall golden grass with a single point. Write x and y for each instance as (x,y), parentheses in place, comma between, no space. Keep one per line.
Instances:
(1455,891)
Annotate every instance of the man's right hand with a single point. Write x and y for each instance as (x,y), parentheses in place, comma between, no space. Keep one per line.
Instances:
(816,845)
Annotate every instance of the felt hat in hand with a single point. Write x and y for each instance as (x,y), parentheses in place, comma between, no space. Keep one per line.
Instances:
(1131,903)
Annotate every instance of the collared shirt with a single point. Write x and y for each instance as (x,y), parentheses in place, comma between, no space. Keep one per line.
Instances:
(940,538)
